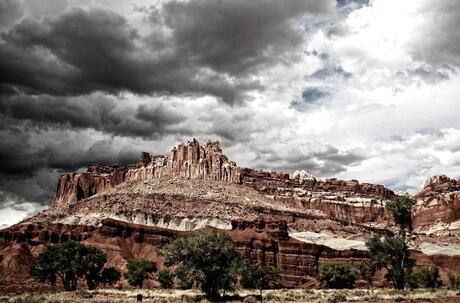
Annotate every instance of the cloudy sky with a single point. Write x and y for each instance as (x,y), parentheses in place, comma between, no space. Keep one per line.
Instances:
(347,89)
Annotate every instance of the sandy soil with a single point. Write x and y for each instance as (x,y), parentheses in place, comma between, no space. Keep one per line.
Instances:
(247,296)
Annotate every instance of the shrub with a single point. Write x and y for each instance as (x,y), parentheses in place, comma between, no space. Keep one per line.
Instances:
(337,275)
(426,277)
(109,276)
(338,298)
(166,278)
(139,270)
(256,276)
(367,272)
(250,299)
(454,281)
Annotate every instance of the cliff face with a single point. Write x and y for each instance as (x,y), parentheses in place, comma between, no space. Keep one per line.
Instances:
(437,210)
(349,201)
(438,206)
(199,187)
(265,242)
(190,161)
(262,241)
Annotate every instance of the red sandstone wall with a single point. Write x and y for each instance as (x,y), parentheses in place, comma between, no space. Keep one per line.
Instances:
(438,202)
(193,161)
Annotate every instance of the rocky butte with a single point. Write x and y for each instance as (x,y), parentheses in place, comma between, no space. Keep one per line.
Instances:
(295,222)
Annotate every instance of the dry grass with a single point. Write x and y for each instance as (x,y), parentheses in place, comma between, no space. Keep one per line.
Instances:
(244,296)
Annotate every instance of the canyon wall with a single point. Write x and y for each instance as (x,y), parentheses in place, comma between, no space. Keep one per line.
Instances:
(437,209)
(438,206)
(262,241)
(349,201)
(190,161)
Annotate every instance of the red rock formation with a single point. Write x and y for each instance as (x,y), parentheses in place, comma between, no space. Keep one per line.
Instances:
(344,200)
(190,161)
(438,206)
(262,241)
(349,201)
(265,242)
(199,182)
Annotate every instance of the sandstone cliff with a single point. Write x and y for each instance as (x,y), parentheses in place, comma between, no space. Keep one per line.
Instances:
(130,211)
(264,242)
(190,161)
(348,201)
(438,206)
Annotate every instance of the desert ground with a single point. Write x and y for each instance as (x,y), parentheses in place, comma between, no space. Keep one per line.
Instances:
(246,296)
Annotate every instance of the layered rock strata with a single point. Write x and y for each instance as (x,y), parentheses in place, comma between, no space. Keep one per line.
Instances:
(262,241)
(190,161)
(438,206)
(349,201)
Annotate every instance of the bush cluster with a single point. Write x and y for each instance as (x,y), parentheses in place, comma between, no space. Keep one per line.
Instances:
(454,281)
(337,275)
(425,277)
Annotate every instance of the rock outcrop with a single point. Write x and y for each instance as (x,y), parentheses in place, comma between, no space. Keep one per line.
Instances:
(342,200)
(438,206)
(131,211)
(190,161)
(302,176)
(437,210)
(262,241)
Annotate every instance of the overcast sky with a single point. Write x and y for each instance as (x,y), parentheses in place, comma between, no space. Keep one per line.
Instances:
(347,89)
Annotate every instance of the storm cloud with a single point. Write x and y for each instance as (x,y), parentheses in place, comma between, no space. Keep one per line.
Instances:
(331,87)
(212,48)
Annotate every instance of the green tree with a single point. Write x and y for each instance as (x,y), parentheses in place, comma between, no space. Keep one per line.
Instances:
(68,261)
(208,259)
(139,270)
(337,275)
(166,278)
(258,277)
(94,262)
(426,277)
(391,253)
(109,276)
(401,209)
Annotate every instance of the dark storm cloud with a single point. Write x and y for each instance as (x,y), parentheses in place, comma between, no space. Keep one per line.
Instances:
(231,126)
(37,188)
(10,11)
(98,112)
(65,71)
(439,43)
(31,160)
(66,155)
(327,162)
(78,51)
(83,50)
(30,166)
(238,36)
(17,156)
